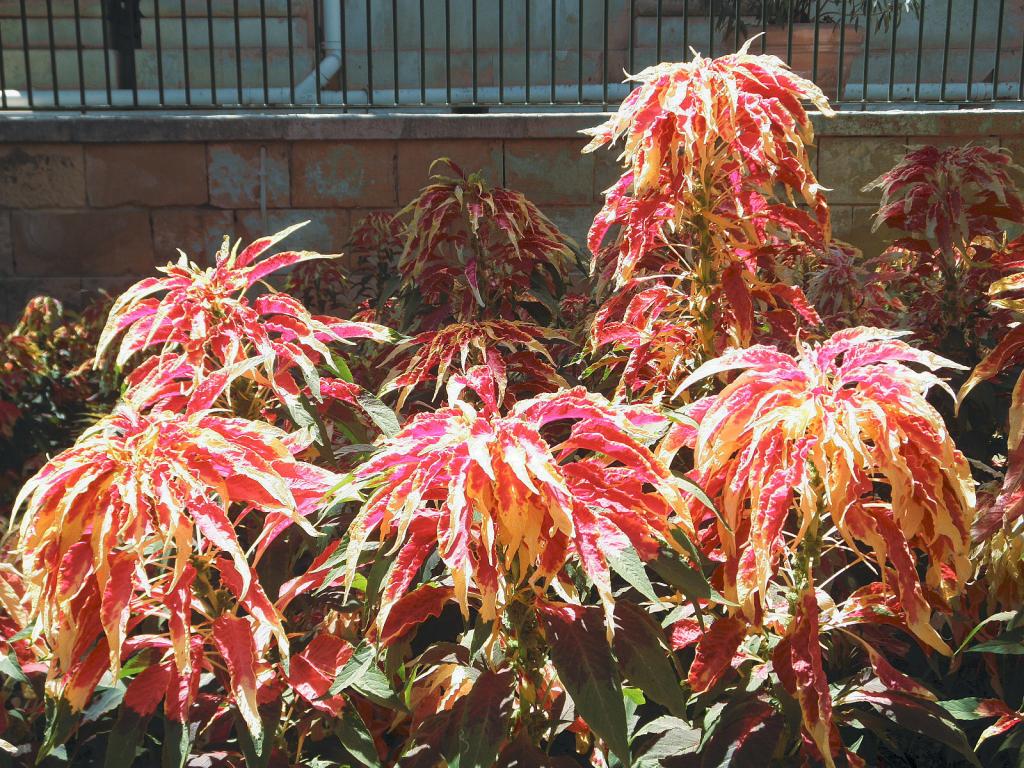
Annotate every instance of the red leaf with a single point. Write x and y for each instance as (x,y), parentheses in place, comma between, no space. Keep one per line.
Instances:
(412,609)
(234,639)
(146,690)
(715,651)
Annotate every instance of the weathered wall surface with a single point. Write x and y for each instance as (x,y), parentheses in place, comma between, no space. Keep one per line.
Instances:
(97,201)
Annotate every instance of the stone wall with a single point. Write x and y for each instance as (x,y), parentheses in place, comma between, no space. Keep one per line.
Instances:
(97,201)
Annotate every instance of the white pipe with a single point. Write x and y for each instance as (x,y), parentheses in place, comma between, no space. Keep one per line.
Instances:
(331,62)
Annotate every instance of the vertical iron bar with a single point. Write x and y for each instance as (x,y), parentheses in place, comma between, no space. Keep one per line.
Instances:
(423,54)
(970,60)
(657,49)
(526,44)
(604,60)
(78,50)
(501,51)
(842,53)
(291,53)
(394,44)
(263,52)
(579,51)
(892,55)
(369,54)
(867,51)
(343,53)
(686,31)
(764,26)
(920,52)
(945,50)
(999,51)
(318,50)
(736,28)
(473,20)
(3,75)
(632,36)
(106,57)
(448,51)
(184,50)
(238,52)
(789,31)
(160,50)
(53,52)
(711,30)
(213,61)
(554,43)
(817,26)
(1020,82)
(24,48)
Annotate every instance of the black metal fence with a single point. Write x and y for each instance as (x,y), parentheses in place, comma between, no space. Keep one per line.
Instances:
(475,55)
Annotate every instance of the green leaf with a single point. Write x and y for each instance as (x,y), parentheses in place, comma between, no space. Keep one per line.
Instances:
(59,724)
(355,737)
(587,669)
(362,674)
(626,563)
(104,699)
(698,493)
(9,667)
(177,744)
(691,582)
(963,709)
(1011,644)
(341,368)
(480,721)
(1003,616)
(353,669)
(379,413)
(257,753)
(124,740)
(643,657)
(665,737)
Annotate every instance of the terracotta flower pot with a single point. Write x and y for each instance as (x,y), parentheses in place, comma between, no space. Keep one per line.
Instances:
(802,58)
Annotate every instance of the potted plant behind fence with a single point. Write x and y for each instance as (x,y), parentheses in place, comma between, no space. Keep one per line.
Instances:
(839,32)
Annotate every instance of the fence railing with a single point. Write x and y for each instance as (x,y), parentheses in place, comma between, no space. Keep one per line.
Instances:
(469,55)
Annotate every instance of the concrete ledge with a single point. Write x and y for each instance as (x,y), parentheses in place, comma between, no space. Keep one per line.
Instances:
(109,128)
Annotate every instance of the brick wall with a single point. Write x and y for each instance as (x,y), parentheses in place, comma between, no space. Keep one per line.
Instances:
(96,202)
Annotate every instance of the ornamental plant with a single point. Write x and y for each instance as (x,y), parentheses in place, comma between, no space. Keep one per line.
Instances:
(953,207)
(752,532)
(204,322)
(483,271)
(697,217)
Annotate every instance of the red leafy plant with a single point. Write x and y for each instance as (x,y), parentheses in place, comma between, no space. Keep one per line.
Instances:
(371,255)
(795,452)
(511,506)
(707,144)
(482,268)
(953,205)
(204,323)
(124,531)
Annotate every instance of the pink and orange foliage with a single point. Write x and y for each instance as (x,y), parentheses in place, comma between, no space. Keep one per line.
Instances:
(128,530)
(547,496)
(707,146)
(204,323)
(778,572)
(829,458)
(482,274)
(953,205)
